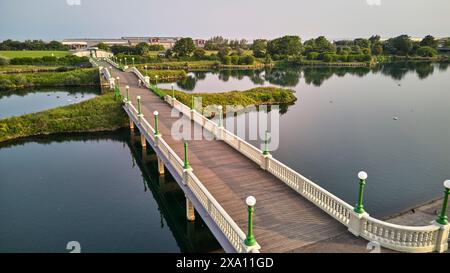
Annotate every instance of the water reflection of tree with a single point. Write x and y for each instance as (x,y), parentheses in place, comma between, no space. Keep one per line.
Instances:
(424,70)
(290,76)
(188,83)
(443,66)
(200,75)
(398,70)
(287,77)
(68,89)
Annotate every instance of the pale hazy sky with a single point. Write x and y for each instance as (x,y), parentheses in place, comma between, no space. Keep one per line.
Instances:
(59,19)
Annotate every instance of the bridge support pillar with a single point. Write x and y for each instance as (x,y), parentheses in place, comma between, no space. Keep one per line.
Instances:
(143,141)
(442,238)
(190,211)
(131,124)
(160,166)
(355,225)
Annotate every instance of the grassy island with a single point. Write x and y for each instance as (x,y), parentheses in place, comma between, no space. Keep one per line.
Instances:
(254,96)
(102,113)
(79,77)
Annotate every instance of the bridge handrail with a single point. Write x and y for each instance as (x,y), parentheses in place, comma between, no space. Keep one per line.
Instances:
(222,219)
(111,62)
(421,239)
(331,204)
(399,237)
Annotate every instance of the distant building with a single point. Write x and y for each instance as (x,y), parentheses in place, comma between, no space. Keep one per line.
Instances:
(166,42)
(77,44)
(199,42)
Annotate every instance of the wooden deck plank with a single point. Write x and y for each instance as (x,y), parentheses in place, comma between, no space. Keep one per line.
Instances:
(284,220)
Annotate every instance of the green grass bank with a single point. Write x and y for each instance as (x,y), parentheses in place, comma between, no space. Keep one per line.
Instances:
(254,96)
(102,113)
(80,77)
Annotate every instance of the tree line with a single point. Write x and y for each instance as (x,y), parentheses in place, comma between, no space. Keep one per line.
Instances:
(10,45)
(359,49)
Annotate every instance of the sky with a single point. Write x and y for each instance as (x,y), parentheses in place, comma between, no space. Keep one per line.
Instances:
(249,19)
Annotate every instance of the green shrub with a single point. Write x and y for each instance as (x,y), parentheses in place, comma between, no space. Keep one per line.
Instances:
(69,60)
(247,60)
(235,60)
(74,77)
(3,61)
(226,60)
(255,96)
(100,113)
(426,51)
(312,56)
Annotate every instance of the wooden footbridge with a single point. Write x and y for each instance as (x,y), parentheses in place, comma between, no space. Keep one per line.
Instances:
(291,211)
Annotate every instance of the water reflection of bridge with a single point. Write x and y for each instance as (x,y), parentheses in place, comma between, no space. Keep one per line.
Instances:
(191,236)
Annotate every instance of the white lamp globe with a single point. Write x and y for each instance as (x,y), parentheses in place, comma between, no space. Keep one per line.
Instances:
(219,107)
(447,184)
(172,85)
(127,87)
(362,175)
(155,113)
(138,97)
(250,201)
(117,78)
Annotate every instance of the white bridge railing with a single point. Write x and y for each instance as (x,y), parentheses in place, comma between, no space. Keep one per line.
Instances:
(220,217)
(429,238)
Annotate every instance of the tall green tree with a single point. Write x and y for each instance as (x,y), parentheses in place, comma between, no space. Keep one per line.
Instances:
(142,48)
(184,47)
(103,46)
(400,45)
(323,45)
(259,48)
(429,41)
(285,46)
(362,43)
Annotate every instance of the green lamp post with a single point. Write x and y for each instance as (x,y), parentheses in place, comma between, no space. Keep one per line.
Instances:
(173,91)
(250,239)
(125,61)
(220,115)
(186,159)
(132,58)
(139,105)
(443,218)
(145,66)
(117,89)
(128,95)
(156,80)
(192,103)
(362,182)
(266,143)
(156,123)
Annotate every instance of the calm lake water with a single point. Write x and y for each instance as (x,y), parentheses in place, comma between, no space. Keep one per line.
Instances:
(103,192)
(100,190)
(19,102)
(393,122)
